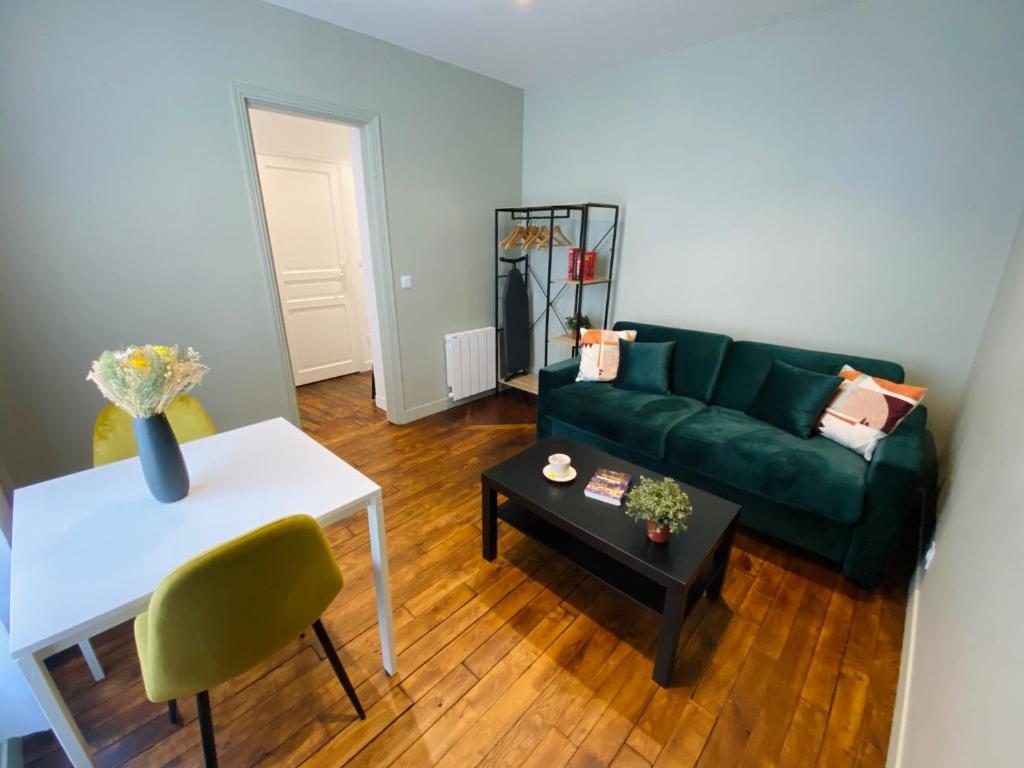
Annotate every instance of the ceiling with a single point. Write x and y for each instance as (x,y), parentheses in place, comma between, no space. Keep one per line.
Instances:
(525,42)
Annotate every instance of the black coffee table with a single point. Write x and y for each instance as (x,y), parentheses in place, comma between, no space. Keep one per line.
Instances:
(667,578)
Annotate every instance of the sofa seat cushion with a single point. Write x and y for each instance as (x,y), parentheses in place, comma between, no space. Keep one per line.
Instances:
(814,474)
(637,420)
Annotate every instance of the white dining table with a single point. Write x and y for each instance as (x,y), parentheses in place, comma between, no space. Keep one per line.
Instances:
(90,548)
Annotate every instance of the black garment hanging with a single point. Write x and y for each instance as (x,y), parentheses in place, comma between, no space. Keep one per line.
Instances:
(516,334)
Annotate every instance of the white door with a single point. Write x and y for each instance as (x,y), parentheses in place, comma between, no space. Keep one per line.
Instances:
(302,200)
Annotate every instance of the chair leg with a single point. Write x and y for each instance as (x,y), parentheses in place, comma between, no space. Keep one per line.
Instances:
(206,729)
(173,713)
(339,670)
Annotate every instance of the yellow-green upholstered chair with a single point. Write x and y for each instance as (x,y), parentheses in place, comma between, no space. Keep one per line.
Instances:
(233,607)
(113,437)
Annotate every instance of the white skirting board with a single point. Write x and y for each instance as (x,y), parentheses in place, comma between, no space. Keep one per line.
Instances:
(899,715)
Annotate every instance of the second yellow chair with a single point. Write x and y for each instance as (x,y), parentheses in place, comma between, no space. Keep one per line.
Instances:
(113,437)
(233,607)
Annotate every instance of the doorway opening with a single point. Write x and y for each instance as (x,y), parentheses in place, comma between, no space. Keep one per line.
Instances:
(312,193)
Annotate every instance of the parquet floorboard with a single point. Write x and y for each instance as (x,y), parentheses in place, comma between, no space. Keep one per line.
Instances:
(526,661)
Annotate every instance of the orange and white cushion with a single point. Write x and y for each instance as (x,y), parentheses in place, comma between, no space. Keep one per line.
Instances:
(866,409)
(599,354)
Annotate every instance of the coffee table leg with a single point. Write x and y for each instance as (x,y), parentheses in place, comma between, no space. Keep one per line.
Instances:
(490,523)
(668,636)
(721,565)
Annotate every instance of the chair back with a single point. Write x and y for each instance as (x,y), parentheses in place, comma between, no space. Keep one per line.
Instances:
(236,605)
(113,437)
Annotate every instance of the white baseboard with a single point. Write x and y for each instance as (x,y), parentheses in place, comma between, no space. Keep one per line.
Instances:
(899,715)
(436,406)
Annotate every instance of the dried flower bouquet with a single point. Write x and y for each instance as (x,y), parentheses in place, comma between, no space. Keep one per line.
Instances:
(144,380)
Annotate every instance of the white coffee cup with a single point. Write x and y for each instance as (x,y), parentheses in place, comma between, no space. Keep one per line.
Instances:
(560,464)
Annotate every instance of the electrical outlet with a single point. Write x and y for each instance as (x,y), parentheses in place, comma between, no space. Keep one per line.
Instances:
(405,281)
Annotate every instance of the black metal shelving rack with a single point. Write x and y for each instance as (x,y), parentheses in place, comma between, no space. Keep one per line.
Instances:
(550,215)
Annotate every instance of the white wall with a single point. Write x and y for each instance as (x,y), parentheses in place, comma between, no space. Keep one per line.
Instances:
(124,214)
(845,181)
(277,133)
(963,694)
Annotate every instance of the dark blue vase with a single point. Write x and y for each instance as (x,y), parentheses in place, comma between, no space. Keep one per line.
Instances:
(162,462)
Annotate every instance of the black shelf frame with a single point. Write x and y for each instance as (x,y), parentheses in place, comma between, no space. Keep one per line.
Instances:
(550,215)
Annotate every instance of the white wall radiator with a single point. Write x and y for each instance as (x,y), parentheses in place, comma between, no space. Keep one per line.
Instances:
(471,362)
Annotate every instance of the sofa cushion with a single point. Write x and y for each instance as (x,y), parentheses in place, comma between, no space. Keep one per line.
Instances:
(644,366)
(638,420)
(817,475)
(793,398)
(697,359)
(747,364)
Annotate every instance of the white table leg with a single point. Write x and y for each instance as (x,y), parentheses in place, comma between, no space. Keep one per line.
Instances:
(10,753)
(382,582)
(91,660)
(56,711)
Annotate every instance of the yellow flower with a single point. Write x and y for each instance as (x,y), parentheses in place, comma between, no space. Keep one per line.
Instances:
(138,360)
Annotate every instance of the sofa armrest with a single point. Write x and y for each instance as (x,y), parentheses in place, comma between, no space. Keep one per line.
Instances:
(549,379)
(893,475)
(557,375)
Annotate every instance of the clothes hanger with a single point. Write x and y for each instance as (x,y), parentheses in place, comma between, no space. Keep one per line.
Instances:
(559,235)
(523,238)
(544,239)
(512,237)
(534,233)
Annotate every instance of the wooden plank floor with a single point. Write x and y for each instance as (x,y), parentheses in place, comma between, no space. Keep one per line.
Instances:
(523,661)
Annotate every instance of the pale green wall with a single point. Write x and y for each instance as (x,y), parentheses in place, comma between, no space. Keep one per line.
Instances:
(847,181)
(124,216)
(967,665)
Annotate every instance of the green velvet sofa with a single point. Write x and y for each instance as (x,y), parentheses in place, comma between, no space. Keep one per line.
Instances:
(812,493)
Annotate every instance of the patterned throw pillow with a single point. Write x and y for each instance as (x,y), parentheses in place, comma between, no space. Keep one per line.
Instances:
(866,409)
(599,354)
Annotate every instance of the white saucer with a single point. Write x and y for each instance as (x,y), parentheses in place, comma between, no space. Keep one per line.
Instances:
(570,475)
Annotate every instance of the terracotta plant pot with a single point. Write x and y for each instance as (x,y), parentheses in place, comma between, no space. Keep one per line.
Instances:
(654,533)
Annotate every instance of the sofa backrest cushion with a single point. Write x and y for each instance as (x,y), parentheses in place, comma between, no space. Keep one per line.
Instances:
(748,362)
(697,360)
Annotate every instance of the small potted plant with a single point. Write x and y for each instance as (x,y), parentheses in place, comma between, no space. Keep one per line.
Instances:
(576,324)
(143,381)
(664,506)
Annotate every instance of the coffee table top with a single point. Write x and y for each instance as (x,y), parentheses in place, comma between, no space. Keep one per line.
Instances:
(605,526)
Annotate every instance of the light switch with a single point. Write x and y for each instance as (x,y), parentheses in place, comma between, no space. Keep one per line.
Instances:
(405,281)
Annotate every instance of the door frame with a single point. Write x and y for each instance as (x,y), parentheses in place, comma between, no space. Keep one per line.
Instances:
(368,124)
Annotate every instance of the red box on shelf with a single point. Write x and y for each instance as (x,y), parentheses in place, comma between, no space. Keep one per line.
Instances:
(582,267)
(573,258)
(589,265)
